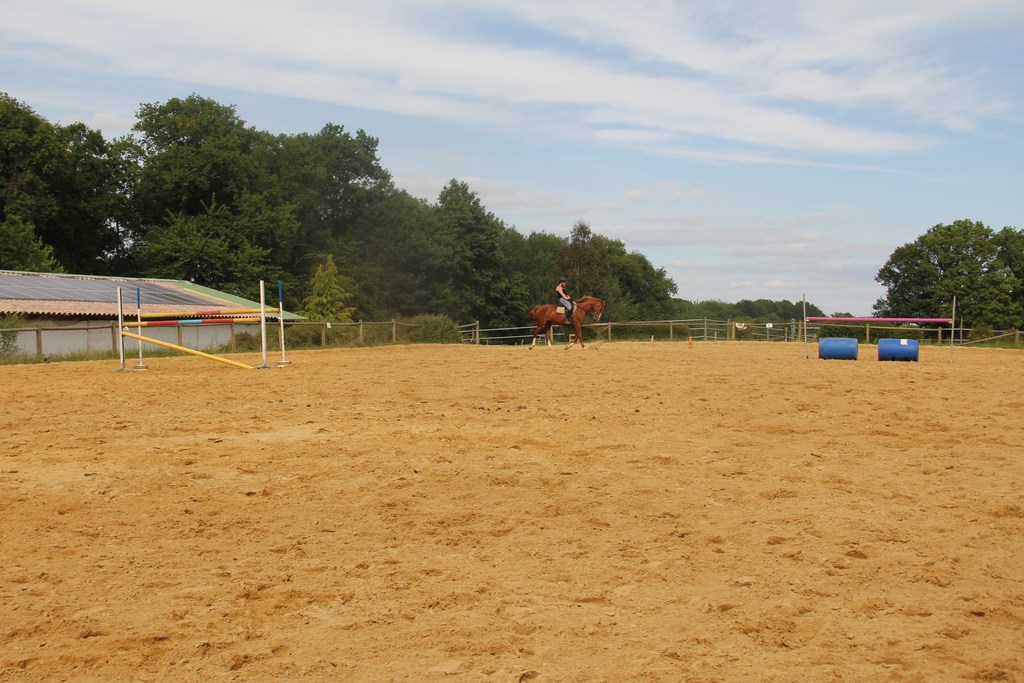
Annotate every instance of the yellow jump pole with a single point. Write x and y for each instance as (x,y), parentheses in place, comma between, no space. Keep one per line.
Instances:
(185,349)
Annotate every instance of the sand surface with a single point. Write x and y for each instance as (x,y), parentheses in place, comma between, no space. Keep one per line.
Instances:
(727,512)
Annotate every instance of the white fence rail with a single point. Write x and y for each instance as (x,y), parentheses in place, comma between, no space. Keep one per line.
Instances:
(53,341)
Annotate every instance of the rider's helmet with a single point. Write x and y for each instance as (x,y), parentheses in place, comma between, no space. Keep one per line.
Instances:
(563,279)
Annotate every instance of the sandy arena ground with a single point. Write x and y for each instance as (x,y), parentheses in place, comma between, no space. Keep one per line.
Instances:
(728,512)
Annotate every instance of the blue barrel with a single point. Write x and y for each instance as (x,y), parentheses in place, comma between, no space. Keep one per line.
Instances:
(837,348)
(897,349)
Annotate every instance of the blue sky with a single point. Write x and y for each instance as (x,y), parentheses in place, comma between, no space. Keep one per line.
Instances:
(770,149)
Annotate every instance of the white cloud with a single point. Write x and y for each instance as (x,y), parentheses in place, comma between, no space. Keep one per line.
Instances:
(618,99)
(693,72)
(112,124)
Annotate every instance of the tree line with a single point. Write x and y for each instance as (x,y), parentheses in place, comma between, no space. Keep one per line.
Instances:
(194,193)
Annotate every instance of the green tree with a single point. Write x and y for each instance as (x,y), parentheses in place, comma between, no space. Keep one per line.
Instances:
(20,249)
(473,234)
(210,249)
(509,302)
(401,257)
(197,153)
(1010,243)
(585,261)
(63,183)
(962,260)
(330,181)
(534,258)
(327,300)
(641,291)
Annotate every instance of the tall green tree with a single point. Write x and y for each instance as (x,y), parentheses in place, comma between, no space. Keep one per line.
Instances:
(20,249)
(197,153)
(210,249)
(473,234)
(332,180)
(961,259)
(533,258)
(641,291)
(401,257)
(1010,244)
(62,182)
(327,300)
(585,261)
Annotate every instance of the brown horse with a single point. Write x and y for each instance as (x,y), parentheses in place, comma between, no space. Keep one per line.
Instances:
(546,315)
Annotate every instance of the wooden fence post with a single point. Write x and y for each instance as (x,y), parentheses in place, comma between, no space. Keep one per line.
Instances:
(394,331)
(39,342)
(323,335)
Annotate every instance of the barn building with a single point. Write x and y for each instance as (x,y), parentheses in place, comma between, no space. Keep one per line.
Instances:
(62,315)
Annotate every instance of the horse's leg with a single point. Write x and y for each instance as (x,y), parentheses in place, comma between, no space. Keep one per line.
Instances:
(533,342)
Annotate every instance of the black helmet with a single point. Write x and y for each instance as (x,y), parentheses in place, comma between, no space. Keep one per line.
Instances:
(563,279)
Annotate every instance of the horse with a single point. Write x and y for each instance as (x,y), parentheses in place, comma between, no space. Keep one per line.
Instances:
(546,315)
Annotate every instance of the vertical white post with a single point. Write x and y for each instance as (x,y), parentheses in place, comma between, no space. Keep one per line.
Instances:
(806,355)
(952,330)
(284,362)
(120,327)
(263,322)
(138,315)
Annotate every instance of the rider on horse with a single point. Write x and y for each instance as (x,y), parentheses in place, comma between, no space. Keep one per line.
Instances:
(564,299)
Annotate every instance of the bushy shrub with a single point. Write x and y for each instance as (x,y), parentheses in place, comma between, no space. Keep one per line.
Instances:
(980,332)
(434,329)
(246,341)
(303,336)
(8,339)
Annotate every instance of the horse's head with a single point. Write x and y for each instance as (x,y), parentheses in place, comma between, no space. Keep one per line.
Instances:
(592,305)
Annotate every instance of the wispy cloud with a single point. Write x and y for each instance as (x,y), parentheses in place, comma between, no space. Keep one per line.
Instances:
(659,122)
(676,75)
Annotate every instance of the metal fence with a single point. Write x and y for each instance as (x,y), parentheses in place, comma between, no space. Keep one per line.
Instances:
(99,337)
(701,329)
(705,329)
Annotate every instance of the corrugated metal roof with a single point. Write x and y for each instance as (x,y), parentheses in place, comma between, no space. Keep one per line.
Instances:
(48,294)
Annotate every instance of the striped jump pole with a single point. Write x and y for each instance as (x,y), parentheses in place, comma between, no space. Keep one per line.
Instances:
(182,319)
(192,321)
